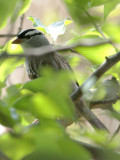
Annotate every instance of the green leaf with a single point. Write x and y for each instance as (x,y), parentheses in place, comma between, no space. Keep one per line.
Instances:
(6,10)
(48,102)
(12,48)
(96,54)
(100,2)
(25,6)
(77,10)
(113,31)
(109,7)
(21,8)
(8,66)
(8,116)
(21,146)
(116,106)
(52,140)
(2,85)
(54,29)
(13,93)
(43,106)
(38,24)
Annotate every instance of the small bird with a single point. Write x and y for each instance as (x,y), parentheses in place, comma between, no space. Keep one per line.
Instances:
(32,38)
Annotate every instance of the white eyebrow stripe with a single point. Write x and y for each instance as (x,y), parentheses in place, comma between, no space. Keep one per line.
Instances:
(31,32)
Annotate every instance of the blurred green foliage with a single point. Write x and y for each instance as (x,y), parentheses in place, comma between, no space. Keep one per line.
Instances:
(47,98)
(12,10)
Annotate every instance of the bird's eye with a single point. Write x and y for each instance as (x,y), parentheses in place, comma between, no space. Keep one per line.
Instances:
(28,36)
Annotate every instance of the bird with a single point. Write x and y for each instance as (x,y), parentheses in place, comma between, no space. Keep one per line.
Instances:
(33,38)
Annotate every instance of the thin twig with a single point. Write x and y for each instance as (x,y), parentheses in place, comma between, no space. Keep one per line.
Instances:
(21,23)
(96,26)
(99,103)
(45,50)
(7,35)
(98,29)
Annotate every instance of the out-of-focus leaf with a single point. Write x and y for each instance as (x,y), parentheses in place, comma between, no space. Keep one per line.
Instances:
(109,7)
(43,106)
(12,9)
(25,6)
(54,29)
(77,10)
(52,143)
(50,81)
(8,66)
(117,106)
(2,85)
(48,103)
(12,48)
(6,10)
(112,31)
(101,2)
(74,61)
(21,146)
(8,116)
(20,8)
(13,93)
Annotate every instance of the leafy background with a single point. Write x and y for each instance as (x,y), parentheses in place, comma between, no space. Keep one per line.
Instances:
(22,101)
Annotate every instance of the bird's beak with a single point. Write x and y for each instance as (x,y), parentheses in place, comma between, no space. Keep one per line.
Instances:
(17,41)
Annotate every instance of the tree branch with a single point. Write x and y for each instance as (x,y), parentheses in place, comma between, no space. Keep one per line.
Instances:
(105,66)
(101,103)
(7,35)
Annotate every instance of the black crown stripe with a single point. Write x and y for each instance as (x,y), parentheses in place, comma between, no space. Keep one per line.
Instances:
(22,33)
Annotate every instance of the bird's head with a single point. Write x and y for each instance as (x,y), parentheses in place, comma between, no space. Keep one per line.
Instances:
(31,38)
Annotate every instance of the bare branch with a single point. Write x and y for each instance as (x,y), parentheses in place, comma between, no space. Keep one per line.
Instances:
(21,23)
(101,103)
(45,50)
(83,108)
(7,35)
(105,66)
